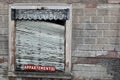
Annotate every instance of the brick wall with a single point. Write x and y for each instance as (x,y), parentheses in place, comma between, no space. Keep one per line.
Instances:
(3,40)
(95,43)
(95,39)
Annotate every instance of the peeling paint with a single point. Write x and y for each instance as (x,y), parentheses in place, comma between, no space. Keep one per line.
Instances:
(109,54)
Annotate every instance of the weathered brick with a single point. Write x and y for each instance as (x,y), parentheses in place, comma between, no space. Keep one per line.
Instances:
(109,47)
(3,64)
(103,1)
(73,59)
(59,1)
(1,45)
(90,74)
(73,47)
(97,47)
(1,24)
(80,60)
(74,33)
(110,65)
(79,26)
(99,53)
(3,4)
(4,51)
(75,19)
(26,1)
(102,12)
(90,12)
(110,33)
(90,26)
(114,11)
(94,68)
(84,19)
(92,33)
(102,41)
(78,53)
(78,40)
(3,38)
(3,31)
(96,19)
(113,40)
(91,4)
(115,26)
(78,5)
(75,1)
(39,1)
(4,44)
(1,19)
(117,48)
(5,25)
(118,19)
(3,11)
(81,33)
(84,47)
(78,33)
(5,21)
(80,12)
(86,1)
(110,19)
(89,40)
(102,26)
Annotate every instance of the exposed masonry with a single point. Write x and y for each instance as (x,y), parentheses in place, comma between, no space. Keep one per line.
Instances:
(96,38)
(96,35)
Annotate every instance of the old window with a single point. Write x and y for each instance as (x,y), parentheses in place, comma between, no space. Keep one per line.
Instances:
(40,39)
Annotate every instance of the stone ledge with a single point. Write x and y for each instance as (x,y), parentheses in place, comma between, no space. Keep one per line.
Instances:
(55,75)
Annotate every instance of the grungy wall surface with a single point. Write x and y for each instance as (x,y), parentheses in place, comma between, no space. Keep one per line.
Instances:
(95,38)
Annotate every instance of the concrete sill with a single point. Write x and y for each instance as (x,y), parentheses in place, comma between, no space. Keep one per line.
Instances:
(53,75)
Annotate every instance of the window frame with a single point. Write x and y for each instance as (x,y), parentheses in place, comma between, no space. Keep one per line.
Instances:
(68,25)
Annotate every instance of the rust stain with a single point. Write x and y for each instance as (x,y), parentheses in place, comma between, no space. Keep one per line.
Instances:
(87,61)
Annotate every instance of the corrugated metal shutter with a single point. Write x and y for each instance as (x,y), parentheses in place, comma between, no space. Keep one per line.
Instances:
(39,43)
